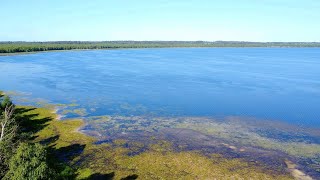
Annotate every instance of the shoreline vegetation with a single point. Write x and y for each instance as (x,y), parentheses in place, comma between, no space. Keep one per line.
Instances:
(74,155)
(17,47)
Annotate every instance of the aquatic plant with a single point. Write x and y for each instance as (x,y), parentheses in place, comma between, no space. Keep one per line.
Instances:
(242,135)
(237,132)
(158,160)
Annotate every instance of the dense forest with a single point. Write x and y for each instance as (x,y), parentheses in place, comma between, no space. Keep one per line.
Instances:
(16,47)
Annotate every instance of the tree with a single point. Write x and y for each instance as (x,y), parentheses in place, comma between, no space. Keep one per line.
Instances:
(29,162)
(8,129)
(25,161)
(5,102)
(8,126)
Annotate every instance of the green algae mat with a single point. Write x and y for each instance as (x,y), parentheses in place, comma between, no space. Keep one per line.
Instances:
(120,158)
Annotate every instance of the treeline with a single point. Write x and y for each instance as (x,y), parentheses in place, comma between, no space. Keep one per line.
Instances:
(20,158)
(16,47)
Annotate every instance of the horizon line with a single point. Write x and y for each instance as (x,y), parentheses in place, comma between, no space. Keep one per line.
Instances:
(163,41)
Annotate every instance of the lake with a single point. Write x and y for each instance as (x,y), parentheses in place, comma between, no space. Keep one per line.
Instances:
(258,104)
(266,83)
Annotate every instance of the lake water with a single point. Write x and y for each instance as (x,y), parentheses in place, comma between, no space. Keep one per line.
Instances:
(258,104)
(266,83)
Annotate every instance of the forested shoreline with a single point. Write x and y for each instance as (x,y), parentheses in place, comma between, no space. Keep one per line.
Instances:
(20,46)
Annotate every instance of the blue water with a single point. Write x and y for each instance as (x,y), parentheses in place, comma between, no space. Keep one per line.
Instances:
(268,83)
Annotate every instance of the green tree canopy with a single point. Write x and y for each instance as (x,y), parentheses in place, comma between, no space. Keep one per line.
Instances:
(6,101)
(29,163)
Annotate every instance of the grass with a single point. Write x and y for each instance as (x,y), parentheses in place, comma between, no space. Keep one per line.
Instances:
(113,160)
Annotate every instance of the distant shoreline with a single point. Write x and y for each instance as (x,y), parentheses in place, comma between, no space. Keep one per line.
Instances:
(18,48)
(70,50)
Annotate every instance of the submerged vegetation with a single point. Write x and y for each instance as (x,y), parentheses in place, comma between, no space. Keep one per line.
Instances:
(18,47)
(56,146)
(231,130)
(241,134)
(123,159)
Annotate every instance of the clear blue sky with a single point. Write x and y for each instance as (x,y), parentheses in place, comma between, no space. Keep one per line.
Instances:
(210,20)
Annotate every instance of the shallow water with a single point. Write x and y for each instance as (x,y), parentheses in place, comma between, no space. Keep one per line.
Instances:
(266,83)
(260,104)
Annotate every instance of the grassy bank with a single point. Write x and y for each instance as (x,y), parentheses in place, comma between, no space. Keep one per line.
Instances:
(120,159)
(23,47)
